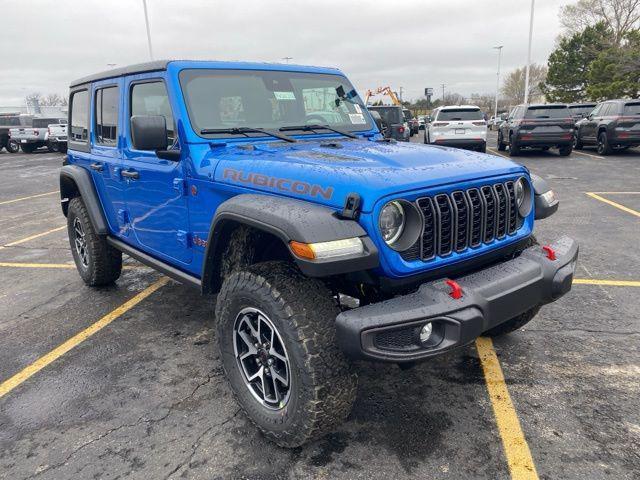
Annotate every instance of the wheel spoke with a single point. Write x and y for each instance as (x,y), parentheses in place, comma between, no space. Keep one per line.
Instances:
(276,376)
(258,374)
(274,353)
(276,392)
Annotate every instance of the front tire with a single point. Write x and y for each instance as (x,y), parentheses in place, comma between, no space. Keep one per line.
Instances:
(275,323)
(501,145)
(13,146)
(28,148)
(514,324)
(577,143)
(98,263)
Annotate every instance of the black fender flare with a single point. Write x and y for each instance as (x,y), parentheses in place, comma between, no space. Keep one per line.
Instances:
(287,219)
(76,181)
(544,207)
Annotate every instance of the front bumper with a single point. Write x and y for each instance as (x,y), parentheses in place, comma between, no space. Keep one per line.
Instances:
(389,331)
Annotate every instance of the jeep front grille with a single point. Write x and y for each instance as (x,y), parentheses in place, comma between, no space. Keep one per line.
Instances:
(454,222)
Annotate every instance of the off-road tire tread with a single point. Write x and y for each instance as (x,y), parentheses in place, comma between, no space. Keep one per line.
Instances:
(326,374)
(107,261)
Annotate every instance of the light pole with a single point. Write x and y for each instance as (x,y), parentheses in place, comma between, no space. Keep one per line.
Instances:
(286,59)
(526,75)
(442,94)
(495,110)
(146,21)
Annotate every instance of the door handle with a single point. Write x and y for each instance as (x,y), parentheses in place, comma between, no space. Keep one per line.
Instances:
(96,166)
(130,174)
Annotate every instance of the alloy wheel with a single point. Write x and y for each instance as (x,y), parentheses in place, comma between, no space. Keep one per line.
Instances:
(262,358)
(80,242)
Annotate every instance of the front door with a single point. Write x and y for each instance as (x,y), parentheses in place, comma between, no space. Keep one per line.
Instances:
(155,188)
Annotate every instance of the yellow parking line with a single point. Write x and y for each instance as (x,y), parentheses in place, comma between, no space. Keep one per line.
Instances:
(610,283)
(42,362)
(6,202)
(32,237)
(614,204)
(588,155)
(617,193)
(498,153)
(515,446)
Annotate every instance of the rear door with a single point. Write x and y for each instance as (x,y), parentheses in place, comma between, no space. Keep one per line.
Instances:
(106,150)
(155,188)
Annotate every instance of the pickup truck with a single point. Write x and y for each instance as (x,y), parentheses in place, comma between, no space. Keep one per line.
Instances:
(57,137)
(7,122)
(324,242)
(36,136)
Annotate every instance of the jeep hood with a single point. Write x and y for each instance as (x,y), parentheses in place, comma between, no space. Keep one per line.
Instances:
(327,171)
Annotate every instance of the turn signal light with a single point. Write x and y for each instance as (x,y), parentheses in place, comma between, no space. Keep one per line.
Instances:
(325,250)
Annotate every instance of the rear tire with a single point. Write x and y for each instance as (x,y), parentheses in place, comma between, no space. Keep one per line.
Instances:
(98,263)
(321,386)
(565,151)
(13,146)
(483,148)
(514,149)
(603,144)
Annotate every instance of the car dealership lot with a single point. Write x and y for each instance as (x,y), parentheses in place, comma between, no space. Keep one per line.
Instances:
(142,393)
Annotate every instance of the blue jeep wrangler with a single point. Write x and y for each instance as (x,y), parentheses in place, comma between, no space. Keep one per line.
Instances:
(270,186)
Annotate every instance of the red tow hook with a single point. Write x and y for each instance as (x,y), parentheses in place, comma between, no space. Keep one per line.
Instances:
(456,290)
(551,253)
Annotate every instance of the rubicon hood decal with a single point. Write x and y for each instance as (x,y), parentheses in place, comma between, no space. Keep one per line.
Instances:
(298,187)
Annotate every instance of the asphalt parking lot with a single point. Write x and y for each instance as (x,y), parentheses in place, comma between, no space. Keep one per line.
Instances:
(125,381)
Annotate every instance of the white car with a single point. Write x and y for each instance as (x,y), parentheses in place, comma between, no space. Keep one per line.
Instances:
(461,126)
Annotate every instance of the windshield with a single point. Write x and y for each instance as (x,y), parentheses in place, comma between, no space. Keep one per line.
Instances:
(631,109)
(460,114)
(581,110)
(560,111)
(407,115)
(228,99)
(390,115)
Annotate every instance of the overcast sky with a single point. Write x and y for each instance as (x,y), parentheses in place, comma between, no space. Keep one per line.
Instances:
(408,43)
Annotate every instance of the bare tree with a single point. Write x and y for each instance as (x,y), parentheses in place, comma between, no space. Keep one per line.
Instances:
(53,100)
(620,16)
(513,85)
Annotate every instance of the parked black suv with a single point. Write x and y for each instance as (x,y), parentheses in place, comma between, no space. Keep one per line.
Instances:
(581,110)
(612,125)
(537,126)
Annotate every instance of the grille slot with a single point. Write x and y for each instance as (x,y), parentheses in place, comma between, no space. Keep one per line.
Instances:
(465,219)
(429,233)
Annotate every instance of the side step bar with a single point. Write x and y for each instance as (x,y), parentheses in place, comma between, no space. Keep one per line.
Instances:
(156,264)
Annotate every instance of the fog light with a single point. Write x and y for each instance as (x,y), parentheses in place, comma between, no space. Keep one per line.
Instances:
(425,332)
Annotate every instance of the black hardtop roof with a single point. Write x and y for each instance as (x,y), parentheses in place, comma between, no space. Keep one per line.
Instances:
(545,105)
(154,66)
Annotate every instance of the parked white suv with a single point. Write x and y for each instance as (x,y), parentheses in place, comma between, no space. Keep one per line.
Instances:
(461,126)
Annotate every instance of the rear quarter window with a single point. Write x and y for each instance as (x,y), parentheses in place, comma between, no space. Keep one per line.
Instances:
(632,109)
(460,114)
(79,131)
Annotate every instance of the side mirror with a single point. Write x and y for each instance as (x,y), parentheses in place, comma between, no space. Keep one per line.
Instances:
(149,132)
(590,116)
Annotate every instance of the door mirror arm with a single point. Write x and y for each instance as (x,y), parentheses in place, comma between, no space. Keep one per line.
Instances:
(173,155)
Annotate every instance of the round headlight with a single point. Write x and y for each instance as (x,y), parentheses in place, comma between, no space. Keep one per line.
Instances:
(524,196)
(519,187)
(391,222)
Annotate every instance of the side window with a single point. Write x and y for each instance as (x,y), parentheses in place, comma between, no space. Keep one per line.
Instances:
(151,98)
(106,116)
(79,116)
(596,111)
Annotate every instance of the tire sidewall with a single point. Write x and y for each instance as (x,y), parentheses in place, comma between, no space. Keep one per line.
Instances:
(276,421)
(76,211)
(13,146)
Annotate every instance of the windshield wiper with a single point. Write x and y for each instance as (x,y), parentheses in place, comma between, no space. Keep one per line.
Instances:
(311,128)
(245,131)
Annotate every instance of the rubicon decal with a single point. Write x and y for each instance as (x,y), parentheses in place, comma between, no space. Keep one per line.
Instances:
(282,184)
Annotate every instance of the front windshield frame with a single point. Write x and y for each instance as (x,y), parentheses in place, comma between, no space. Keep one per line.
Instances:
(350,102)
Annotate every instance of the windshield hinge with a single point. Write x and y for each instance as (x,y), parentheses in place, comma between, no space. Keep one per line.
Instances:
(351,208)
